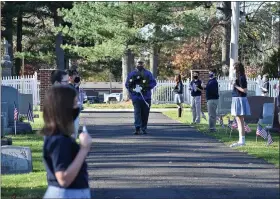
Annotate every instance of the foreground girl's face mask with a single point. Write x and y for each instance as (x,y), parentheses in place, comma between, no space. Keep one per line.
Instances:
(76,112)
(76,109)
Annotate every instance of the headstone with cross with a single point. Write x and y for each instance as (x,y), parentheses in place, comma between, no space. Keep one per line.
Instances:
(6,63)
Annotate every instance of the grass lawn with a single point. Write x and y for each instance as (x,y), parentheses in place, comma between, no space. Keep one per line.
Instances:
(257,149)
(127,105)
(32,185)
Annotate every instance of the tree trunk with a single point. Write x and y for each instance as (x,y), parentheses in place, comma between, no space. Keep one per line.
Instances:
(154,60)
(9,38)
(18,61)
(131,61)
(226,33)
(209,55)
(60,62)
(127,60)
(127,63)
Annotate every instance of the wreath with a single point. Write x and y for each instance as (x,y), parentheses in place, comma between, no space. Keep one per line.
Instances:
(138,79)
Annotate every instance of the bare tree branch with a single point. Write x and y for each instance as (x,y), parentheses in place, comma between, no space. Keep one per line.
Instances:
(258,9)
(219,23)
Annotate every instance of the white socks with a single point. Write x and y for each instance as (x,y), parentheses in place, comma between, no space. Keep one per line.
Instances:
(241,142)
(242,139)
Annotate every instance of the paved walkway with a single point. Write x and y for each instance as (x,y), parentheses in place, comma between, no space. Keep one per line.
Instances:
(172,162)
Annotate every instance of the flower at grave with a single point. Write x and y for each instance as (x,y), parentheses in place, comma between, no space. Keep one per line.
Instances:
(144,81)
(130,80)
(138,77)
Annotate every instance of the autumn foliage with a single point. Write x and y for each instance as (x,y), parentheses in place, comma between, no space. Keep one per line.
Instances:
(190,55)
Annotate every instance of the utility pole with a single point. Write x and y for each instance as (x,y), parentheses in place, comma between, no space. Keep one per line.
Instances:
(108,60)
(234,37)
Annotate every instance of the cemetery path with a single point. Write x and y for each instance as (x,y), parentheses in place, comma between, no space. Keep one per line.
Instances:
(173,161)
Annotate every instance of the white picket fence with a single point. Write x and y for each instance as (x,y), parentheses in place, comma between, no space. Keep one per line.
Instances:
(27,84)
(163,92)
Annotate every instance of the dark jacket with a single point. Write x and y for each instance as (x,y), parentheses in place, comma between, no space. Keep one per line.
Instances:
(266,86)
(179,88)
(198,85)
(212,89)
(147,86)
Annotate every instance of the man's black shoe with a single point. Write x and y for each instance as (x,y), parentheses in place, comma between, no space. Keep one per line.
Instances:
(137,132)
(144,132)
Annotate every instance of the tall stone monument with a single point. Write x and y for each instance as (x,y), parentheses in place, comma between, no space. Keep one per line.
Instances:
(6,63)
(6,67)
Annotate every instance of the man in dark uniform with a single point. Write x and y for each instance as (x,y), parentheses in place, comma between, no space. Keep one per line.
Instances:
(140,82)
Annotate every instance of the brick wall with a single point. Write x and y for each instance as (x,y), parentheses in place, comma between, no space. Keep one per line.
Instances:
(204,77)
(45,83)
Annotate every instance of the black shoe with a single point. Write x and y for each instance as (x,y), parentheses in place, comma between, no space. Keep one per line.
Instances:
(212,130)
(144,132)
(179,112)
(137,132)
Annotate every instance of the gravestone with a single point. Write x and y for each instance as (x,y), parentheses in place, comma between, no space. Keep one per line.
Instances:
(15,160)
(11,96)
(4,114)
(24,101)
(224,105)
(2,126)
(256,107)
(225,99)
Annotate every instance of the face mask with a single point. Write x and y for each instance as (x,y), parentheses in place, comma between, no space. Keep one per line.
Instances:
(139,67)
(211,75)
(77,80)
(76,112)
(195,77)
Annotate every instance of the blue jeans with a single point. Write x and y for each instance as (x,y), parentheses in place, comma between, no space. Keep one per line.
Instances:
(57,192)
(141,114)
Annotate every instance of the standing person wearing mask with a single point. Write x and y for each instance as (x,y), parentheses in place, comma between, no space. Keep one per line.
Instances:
(240,106)
(59,77)
(64,159)
(178,90)
(196,88)
(75,81)
(265,86)
(212,97)
(140,79)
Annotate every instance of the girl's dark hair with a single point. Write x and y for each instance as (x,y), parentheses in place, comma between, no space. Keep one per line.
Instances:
(178,78)
(72,72)
(240,70)
(57,75)
(58,110)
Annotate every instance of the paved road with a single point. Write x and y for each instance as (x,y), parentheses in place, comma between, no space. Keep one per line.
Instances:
(172,162)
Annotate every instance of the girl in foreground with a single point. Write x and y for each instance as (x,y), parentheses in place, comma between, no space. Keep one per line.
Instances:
(64,159)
